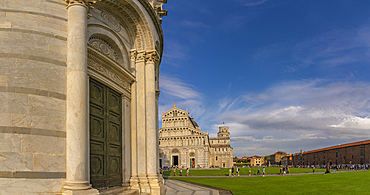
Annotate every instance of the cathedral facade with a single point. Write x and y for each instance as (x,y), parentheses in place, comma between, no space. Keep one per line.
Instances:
(183,144)
(79,96)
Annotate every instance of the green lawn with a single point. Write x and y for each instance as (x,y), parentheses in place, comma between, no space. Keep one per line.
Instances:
(243,171)
(333,183)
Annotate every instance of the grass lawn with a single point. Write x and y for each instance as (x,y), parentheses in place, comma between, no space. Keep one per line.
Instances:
(243,171)
(333,183)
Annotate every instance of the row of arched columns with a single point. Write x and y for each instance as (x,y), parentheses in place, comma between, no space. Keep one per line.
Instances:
(177,132)
(182,141)
(175,122)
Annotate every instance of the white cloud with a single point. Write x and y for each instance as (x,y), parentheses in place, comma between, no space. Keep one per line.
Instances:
(175,52)
(289,116)
(185,96)
(194,24)
(252,3)
(299,114)
(173,86)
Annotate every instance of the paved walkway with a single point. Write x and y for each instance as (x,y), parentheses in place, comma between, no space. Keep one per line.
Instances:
(175,187)
(268,175)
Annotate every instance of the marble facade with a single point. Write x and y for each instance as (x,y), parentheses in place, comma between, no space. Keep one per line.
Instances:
(182,143)
(50,52)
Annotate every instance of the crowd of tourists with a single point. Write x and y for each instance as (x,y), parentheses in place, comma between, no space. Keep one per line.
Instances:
(175,168)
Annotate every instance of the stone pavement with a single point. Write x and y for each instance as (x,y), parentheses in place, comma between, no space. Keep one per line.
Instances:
(176,187)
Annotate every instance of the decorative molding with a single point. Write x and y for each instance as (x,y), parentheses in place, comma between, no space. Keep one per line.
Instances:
(104,47)
(104,71)
(152,57)
(111,21)
(156,20)
(141,56)
(109,71)
(133,15)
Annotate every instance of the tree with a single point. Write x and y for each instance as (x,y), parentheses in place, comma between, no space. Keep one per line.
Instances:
(267,157)
(235,157)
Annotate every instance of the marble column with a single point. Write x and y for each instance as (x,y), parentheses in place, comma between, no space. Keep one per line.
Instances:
(141,123)
(78,170)
(152,58)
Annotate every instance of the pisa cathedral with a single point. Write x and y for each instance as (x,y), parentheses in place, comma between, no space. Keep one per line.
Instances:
(183,144)
(79,96)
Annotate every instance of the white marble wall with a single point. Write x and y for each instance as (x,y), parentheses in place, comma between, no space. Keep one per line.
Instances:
(32,96)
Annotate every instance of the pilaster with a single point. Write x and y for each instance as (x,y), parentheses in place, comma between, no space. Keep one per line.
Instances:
(134,180)
(141,122)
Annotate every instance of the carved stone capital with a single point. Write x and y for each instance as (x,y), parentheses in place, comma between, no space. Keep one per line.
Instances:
(81,2)
(133,55)
(87,3)
(152,57)
(140,56)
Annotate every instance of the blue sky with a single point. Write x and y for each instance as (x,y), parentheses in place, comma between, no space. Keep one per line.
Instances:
(282,74)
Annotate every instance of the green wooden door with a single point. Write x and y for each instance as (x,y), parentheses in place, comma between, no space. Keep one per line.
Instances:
(105,136)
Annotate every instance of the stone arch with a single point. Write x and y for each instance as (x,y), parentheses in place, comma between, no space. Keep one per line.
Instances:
(130,15)
(107,46)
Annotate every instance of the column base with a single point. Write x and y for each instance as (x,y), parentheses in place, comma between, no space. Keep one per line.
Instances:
(81,192)
(79,188)
(134,183)
(156,188)
(144,185)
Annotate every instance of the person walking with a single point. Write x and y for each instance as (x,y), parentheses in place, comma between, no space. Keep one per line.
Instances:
(258,172)
(249,171)
(187,172)
(313,169)
(230,172)
(180,172)
(237,171)
(174,171)
(264,171)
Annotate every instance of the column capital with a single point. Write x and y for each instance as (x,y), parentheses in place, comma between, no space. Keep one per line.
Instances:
(87,3)
(81,2)
(133,55)
(140,56)
(152,56)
